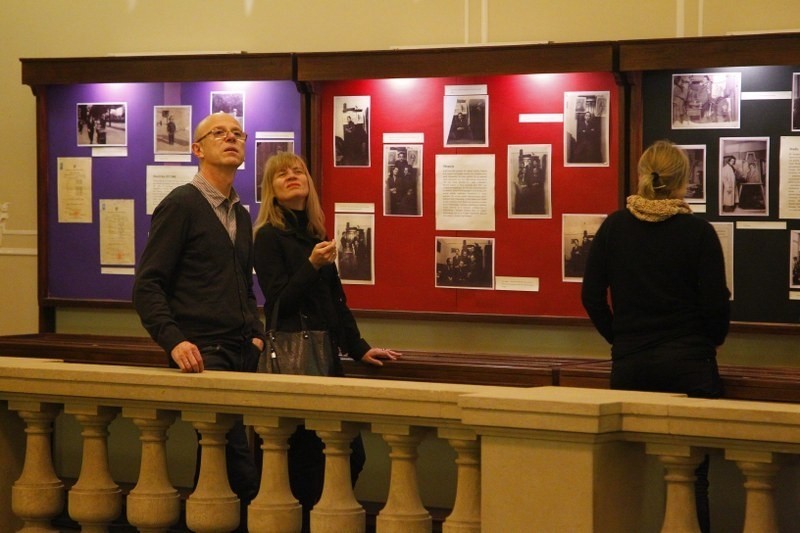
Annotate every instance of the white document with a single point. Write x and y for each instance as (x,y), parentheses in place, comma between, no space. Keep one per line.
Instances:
(465,192)
(117,246)
(162,179)
(725,233)
(74,189)
(789,178)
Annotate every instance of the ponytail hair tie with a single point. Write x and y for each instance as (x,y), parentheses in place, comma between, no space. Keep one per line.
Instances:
(657,181)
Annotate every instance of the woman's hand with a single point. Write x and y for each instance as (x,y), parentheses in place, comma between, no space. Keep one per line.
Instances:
(324,253)
(374,356)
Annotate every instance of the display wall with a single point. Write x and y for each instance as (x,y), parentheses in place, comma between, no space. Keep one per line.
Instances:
(119,166)
(742,119)
(520,115)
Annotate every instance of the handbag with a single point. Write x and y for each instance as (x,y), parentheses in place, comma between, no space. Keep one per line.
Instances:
(305,352)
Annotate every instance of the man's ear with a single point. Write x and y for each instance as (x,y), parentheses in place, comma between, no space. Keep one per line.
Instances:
(197,150)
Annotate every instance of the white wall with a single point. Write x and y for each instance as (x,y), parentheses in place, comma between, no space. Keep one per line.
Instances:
(55,28)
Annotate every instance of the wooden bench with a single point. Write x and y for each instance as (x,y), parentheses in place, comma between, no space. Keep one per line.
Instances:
(740,382)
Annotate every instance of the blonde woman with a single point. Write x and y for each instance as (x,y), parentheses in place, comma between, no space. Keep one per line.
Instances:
(664,271)
(295,263)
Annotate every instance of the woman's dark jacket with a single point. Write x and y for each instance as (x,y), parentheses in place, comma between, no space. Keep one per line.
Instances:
(285,272)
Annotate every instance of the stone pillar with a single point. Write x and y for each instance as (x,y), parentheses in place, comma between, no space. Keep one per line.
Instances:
(275,509)
(337,510)
(213,506)
(466,514)
(403,512)
(680,462)
(759,469)
(153,505)
(38,495)
(95,500)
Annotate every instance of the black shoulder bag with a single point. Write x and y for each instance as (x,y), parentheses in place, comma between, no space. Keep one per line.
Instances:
(306,352)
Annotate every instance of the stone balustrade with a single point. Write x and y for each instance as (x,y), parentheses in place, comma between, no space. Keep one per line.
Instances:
(527,459)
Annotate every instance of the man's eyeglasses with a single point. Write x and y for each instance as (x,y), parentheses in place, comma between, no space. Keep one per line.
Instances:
(220,134)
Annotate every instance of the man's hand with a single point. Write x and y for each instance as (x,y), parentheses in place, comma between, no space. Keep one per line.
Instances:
(187,356)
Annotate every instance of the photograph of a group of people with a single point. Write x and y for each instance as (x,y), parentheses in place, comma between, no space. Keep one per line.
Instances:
(706,100)
(402,188)
(466,120)
(529,181)
(743,176)
(351,131)
(102,124)
(355,256)
(578,231)
(465,262)
(172,129)
(586,128)
(230,102)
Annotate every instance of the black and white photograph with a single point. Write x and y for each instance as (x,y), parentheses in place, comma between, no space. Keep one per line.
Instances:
(696,190)
(529,181)
(578,232)
(351,131)
(586,122)
(402,184)
(266,148)
(230,102)
(355,250)
(102,124)
(465,262)
(744,176)
(796,101)
(706,100)
(466,120)
(172,129)
(794,259)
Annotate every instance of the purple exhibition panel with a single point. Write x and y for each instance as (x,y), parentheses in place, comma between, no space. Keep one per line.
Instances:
(74,267)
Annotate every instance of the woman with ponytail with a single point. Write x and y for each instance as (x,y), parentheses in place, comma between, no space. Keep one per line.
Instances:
(654,287)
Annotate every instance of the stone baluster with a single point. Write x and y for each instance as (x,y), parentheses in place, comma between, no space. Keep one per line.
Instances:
(337,510)
(95,500)
(759,469)
(403,512)
(466,514)
(680,462)
(153,505)
(275,509)
(37,496)
(213,506)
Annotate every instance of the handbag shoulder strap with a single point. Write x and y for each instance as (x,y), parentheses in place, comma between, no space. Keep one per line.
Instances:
(273,321)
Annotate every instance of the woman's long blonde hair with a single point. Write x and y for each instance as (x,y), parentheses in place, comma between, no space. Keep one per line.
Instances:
(271,213)
(663,169)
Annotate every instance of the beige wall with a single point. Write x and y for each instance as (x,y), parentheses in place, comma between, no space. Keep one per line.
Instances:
(54,28)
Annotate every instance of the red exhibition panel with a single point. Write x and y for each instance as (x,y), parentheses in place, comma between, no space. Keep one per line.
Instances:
(405,247)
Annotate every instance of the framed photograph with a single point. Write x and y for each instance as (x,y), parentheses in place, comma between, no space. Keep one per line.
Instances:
(529,181)
(706,100)
(172,129)
(466,120)
(230,102)
(744,176)
(586,122)
(402,186)
(102,124)
(696,191)
(266,148)
(794,259)
(355,257)
(796,101)
(351,131)
(465,262)
(577,232)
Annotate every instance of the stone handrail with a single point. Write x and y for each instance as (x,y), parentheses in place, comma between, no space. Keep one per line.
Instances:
(527,459)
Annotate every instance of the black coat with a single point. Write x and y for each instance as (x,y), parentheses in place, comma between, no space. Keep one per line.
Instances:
(284,271)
